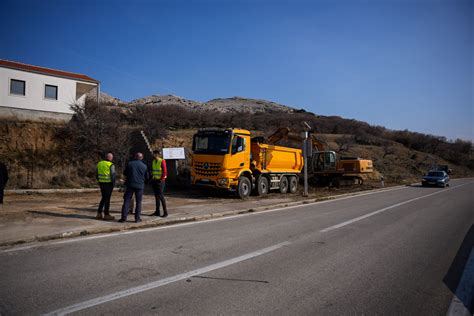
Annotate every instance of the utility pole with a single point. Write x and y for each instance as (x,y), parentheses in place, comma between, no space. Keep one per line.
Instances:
(307,151)
(305,162)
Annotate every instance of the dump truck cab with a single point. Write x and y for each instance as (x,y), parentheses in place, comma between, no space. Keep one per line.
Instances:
(220,156)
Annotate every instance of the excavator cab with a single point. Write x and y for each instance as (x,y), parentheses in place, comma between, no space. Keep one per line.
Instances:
(323,161)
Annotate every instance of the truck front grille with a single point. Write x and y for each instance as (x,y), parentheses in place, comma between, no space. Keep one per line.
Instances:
(207,168)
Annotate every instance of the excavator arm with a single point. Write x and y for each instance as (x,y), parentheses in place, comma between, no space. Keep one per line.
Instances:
(285,133)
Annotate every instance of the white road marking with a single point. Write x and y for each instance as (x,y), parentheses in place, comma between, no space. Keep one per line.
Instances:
(325,230)
(153,285)
(230,217)
(465,291)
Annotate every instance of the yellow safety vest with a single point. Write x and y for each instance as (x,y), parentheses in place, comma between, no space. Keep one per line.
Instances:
(156,170)
(103,170)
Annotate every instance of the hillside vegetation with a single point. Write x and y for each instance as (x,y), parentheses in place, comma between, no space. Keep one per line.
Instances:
(44,155)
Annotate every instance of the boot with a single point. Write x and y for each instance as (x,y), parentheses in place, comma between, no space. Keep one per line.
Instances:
(108,217)
(98,216)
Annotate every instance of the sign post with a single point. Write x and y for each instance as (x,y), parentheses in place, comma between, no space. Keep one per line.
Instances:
(305,162)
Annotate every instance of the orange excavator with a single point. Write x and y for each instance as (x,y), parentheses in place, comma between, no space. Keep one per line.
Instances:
(323,166)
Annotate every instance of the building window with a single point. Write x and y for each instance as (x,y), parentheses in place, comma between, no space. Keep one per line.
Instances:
(51,92)
(17,87)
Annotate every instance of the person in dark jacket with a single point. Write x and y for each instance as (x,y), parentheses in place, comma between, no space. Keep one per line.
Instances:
(136,173)
(3,180)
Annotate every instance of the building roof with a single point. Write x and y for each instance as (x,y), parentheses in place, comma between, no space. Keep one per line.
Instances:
(46,71)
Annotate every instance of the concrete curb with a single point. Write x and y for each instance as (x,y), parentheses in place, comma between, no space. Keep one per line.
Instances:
(179,220)
(51,191)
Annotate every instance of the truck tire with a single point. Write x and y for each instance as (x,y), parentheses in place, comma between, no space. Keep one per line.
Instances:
(262,185)
(244,187)
(283,185)
(293,185)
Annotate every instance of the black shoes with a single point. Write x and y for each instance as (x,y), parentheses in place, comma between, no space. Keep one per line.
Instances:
(121,220)
(158,214)
(138,221)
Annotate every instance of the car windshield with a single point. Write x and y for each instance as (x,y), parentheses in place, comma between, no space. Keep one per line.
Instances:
(435,174)
(214,143)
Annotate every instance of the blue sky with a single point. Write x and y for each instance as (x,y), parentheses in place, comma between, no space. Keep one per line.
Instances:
(402,64)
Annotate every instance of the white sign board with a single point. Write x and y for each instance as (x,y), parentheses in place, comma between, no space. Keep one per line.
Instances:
(174,153)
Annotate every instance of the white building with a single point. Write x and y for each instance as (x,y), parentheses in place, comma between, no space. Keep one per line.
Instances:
(32,92)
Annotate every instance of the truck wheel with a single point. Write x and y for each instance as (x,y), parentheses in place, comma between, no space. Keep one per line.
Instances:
(262,185)
(293,185)
(284,185)
(244,187)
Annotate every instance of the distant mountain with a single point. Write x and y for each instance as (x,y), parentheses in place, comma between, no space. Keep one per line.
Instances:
(227,105)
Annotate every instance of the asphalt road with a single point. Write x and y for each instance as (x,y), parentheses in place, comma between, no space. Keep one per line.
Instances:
(395,252)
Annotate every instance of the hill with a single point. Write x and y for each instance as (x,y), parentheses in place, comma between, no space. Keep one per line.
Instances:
(163,100)
(221,105)
(239,104)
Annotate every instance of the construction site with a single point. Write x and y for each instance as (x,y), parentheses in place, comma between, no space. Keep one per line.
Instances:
(223,170)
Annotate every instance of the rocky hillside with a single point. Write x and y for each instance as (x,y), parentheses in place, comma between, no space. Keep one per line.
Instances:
(222,105)
(160,100)
(238,104)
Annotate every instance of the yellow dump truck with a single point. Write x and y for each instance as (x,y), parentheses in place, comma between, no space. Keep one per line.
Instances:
(231,159)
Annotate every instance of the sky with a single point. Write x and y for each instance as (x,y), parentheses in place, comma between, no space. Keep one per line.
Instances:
(401,64)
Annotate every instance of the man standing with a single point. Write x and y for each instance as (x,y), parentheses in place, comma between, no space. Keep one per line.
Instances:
(159,174)
(106,179)
(136,174)
(3,179)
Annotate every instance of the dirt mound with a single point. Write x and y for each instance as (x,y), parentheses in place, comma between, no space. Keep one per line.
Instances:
(33,157)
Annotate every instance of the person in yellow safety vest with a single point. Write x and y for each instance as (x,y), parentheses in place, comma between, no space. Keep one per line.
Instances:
(159,174)
(106,178)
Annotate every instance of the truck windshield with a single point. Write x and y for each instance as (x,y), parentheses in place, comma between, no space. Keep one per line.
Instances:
(211,143)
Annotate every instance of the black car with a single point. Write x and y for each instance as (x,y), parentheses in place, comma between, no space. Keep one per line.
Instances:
(436,178)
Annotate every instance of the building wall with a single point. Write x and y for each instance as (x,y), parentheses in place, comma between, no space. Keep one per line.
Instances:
(34,94)
(15,114)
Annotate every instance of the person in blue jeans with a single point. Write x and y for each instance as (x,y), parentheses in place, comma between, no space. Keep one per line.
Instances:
(136,173)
